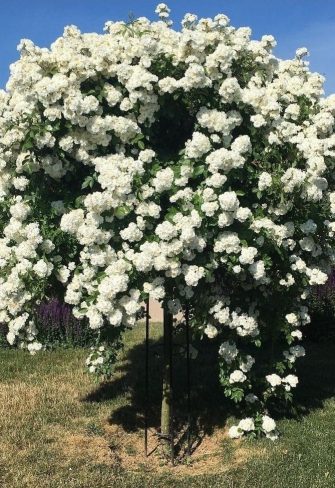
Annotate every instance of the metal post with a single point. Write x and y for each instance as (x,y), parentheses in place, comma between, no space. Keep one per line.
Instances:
(147,323)
(171,383)
(188,379)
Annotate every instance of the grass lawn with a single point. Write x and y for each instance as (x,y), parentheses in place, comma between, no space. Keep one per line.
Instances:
(60,429)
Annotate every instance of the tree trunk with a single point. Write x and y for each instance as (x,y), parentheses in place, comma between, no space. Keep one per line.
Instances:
(166,410)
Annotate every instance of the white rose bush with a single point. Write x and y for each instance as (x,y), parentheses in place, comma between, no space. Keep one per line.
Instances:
(192,167)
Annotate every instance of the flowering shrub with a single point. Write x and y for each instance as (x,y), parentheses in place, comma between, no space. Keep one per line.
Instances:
(57,326)
(102,359)
(191,166)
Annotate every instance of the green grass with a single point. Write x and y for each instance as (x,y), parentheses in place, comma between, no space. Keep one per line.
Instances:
(60,429)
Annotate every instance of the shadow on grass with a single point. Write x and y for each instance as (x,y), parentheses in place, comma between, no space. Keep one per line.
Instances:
(209,408)
(316,372)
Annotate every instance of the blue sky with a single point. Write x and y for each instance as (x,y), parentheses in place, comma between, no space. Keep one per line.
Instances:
(294,23)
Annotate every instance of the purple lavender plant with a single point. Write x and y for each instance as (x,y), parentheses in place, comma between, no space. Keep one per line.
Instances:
(57,325)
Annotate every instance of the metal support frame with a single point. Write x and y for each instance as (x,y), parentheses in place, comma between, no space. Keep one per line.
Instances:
(171,383)
(171,437)
(147,324)
(188,379)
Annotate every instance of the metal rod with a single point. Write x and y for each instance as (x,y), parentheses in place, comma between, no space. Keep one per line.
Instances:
(172,386)
(188,379)
(147,323)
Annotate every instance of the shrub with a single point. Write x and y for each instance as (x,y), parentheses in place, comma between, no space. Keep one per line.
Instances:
(190,166)
(58,327)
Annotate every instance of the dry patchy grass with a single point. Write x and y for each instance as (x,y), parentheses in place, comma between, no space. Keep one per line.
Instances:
(58,429)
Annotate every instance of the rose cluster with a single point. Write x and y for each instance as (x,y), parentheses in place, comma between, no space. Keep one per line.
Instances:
(190,166)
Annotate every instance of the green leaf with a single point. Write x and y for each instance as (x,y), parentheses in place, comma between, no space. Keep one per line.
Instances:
(79,201)
(83,310)
(198,170)
(27,145)
(279,251)
(88,182)
(121,212)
